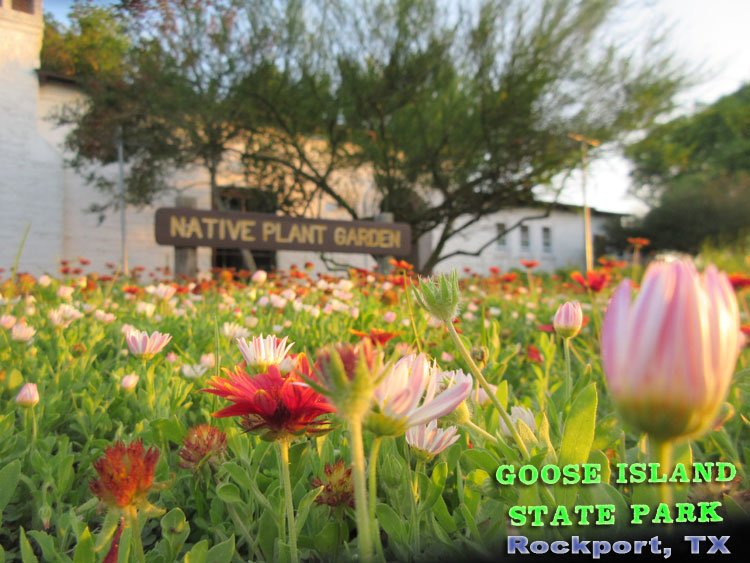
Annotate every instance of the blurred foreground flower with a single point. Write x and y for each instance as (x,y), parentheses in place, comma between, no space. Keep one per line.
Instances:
(129,381)
(669,356)
(144,345)
(22,332)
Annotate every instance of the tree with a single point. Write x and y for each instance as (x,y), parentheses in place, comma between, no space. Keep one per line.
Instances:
(458,111)
(695,172)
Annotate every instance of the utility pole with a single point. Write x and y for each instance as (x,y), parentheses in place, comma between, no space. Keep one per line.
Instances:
(121,182)
(587,243)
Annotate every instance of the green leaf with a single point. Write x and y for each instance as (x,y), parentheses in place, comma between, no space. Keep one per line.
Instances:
(229,493)
(46,542)
(174,529)
(435,486)
(222,552)
(481,459)
(9,477)
(327,540)
(85,549)
(27,554)
(577,439)
(599,458)
(198,554)
(390,522)
(502,393)
(304,508)
(238,474)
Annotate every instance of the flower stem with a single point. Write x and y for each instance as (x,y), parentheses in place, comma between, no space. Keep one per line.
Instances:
(662,451)
(132,520)
(568,380)
(373,489)
(407,283)
(483,382)
(364,535)
(284,449)
(479,430)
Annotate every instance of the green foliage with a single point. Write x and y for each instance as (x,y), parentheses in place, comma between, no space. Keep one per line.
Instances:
(695,172)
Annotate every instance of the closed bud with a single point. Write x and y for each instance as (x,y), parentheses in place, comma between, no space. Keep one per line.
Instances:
(568,319)
(28,396)
(440,296)
(480,355)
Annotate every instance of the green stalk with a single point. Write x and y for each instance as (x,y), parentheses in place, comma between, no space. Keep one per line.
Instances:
(483,382)
(479,430)
(284,449)
(373,489)
(407,283)
(662,451)
(568,380)
(364,535)
(415,501)
(132,519)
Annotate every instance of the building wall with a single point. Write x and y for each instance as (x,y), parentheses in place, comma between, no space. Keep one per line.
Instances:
(31,188)
(565,251)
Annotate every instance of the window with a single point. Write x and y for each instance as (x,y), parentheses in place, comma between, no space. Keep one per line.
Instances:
(23,6)
(525,239)
(547,239)
(503,240)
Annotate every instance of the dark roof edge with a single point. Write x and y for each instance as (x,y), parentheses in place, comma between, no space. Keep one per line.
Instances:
(50,75)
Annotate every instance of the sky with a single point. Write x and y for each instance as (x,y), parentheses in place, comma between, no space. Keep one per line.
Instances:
(710,35)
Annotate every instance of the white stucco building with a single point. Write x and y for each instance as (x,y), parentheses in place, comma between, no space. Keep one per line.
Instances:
(36,188)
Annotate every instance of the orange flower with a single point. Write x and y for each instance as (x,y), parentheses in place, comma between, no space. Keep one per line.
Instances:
(126,474)
(529,264)
(400,264)
(639,242)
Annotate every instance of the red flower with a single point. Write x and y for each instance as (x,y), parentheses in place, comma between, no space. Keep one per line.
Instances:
(533,354)
(84,261)
(494,270)
(277,406)
(509,278)
(739,281)
(546,328)
(376,336)
(126,474)
(595,281)
(530,264)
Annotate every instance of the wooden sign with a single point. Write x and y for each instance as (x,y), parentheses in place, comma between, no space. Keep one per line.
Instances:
(186,227)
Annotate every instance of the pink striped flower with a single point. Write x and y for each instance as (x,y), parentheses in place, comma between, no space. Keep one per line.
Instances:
(669,356)
(144,345)
(568,319)
(429,440)
(260,353)
(28,396)
(408,395)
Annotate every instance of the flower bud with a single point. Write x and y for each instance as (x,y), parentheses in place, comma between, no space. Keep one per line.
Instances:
(440,296)
(669,356)
(129,381)
(28,396)
(568,319)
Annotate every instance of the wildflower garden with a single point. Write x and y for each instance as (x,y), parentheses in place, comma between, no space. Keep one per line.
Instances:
(293,416)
